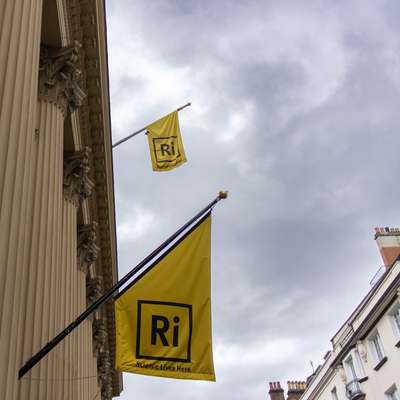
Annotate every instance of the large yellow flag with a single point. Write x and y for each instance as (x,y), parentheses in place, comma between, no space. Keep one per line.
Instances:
(165,143)
(163,319)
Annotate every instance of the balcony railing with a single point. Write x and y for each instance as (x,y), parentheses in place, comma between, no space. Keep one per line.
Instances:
(353,390)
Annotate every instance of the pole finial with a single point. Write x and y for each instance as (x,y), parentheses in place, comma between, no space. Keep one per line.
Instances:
(223,194)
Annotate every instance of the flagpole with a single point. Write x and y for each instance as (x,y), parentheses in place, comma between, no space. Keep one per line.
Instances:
(143,129)
(106,296)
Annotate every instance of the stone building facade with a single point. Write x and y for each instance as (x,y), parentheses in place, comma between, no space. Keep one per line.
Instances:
(57,224)
(364,360)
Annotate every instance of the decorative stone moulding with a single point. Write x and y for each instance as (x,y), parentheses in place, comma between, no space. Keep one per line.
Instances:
(107,389)
(77,184)
(93,288)
(104,366)
(87,247)
(59,77)
(341,373)
(104,372)
(99,334)
(362,351)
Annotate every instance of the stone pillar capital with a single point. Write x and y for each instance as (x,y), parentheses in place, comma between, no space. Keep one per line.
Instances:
(77,184)
(59,77)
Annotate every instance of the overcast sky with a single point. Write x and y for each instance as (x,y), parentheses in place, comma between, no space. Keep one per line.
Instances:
(295,112)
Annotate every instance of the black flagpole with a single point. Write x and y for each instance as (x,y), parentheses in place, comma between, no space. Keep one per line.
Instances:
(106,296)
(143,129)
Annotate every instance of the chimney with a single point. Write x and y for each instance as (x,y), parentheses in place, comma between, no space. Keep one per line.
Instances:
(295,389)
(275,391)
(388,241)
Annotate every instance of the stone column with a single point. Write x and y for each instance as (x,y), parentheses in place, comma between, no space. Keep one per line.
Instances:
(58,94)
(20,22)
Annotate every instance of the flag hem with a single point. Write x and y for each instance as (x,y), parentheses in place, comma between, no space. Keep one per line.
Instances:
(190,376)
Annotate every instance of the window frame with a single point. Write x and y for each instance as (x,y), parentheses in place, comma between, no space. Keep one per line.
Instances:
(392,391)
(376,349)
(394,315)
(352,363)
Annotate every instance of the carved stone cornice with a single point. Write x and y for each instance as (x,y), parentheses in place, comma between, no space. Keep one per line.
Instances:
(87,247)
(59,77)
(99,334)
(77,184)
(94,288)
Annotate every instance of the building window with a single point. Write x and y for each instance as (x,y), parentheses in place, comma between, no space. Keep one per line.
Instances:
(334,394)
(353,367)
(376,349)
(350,370)
(392,393)
(395,319)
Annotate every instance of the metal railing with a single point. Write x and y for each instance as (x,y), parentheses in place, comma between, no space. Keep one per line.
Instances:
(353,390)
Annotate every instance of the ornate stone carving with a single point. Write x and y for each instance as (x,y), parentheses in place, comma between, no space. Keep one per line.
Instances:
(59,77)
(93,288)
(99,334)
(104,366)
(341,373)
(107,390)
(77,184)
(362,351)
(105,374)
(87,247)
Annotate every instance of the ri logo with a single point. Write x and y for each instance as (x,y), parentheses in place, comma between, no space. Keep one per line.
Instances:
(164,331)
(166,149)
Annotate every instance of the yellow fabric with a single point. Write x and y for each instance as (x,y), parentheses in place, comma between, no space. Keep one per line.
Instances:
(165,143)
(163,321)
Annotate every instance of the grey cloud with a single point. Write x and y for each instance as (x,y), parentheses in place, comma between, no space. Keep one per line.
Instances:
(311,169)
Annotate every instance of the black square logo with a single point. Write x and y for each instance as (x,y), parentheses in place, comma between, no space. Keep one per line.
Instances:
(164,331)
(166,149)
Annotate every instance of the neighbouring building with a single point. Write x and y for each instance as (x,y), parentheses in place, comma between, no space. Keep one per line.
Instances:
(57,224)
(294,392)
(364,362)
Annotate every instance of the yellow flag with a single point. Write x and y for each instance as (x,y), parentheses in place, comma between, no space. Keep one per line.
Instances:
(165,143)
(163,319)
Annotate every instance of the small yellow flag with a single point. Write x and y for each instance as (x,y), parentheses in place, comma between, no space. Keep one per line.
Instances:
(165,143)
(163,319)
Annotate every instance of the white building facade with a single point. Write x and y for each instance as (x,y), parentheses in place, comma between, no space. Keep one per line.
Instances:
(364,362)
